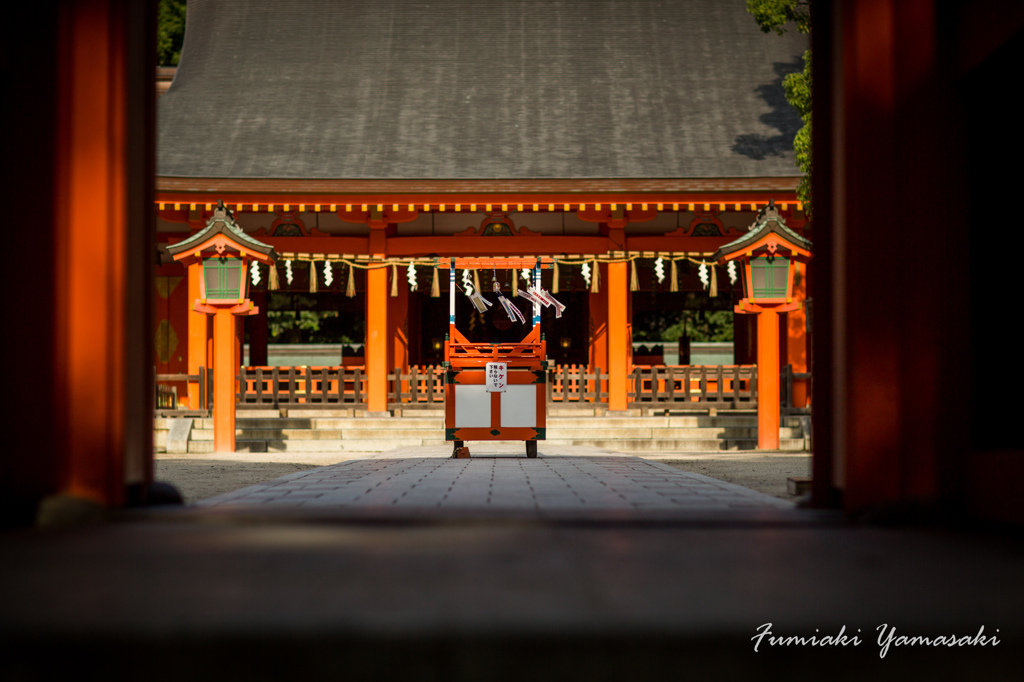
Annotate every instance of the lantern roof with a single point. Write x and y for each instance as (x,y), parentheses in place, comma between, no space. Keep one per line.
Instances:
(768,230)
(221,233)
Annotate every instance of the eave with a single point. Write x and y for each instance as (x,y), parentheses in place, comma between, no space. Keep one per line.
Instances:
(448,192)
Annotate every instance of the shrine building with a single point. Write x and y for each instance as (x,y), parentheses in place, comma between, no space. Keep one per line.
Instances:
(368,143)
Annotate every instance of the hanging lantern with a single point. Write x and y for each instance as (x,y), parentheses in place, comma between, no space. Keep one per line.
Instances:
(224,251)
(767,255)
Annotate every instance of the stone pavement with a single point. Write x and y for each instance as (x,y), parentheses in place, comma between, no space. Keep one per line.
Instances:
(498,478)
(579,564)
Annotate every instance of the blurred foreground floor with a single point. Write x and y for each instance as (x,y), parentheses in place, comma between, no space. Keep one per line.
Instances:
(377,591)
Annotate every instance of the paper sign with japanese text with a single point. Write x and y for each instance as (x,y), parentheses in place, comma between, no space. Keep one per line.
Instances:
(497,376)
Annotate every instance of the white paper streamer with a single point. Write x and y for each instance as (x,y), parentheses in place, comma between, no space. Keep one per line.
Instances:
(328,273)
(659,269)
(731,269)
(255,270)
(288,272)
(410,273)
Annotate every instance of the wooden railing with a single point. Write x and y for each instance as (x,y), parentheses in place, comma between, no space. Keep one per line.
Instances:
(697,386)
(310,387)
(328,387)
(421,386)
(684,386)
(794,400)
(577,384)
(167,394)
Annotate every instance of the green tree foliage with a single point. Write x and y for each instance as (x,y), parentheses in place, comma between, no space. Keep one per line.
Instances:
(670,325)
(313,326)
(170,31)
(774,16)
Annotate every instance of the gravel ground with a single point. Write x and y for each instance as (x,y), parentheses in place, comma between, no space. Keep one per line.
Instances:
(202,476)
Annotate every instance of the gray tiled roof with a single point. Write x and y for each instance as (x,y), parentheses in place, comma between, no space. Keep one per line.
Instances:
(349,89)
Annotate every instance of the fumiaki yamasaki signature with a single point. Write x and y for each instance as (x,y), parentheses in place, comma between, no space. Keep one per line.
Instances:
(887,637)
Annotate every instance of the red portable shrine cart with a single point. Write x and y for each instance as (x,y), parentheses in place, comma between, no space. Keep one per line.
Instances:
(494,391)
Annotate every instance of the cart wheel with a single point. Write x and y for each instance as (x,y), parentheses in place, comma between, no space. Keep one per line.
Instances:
(531,448)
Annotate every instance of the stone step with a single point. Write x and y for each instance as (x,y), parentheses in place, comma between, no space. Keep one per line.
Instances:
(273,434)
(325,434)
(339,413)
(590,410)
(383,445)
(341,446)
(199,447)
(331,423)
(671,421)
(278,423)
(242,413)
(383,424)
(667,433)
(552,434)
(684,445)
(355,430)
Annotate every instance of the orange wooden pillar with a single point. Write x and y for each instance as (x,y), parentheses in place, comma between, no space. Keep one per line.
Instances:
(198,333)
(377,339)
(618,336)
(80,153)
(768,380)
(102,285)
(225,342)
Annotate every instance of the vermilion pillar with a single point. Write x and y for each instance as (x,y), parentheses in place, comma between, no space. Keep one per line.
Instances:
(377,339)
(100,319)
(618,336)
(225,365)
(768,380)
